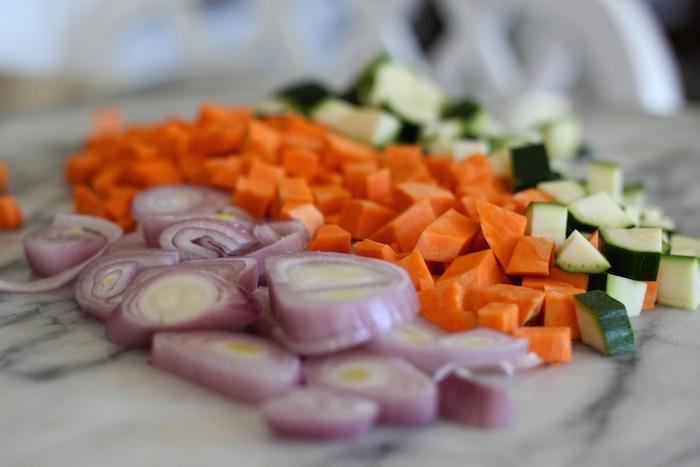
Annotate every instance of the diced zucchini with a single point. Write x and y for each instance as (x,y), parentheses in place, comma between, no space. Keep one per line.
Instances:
(304,96)
(367,125)
(547,220)
(530,166)
(597,211)
(563,191)
(578,255)
(629,292)
(633,253)
(562,136)
(679,281)
(399,89)
(439,136)
(634,195)
(685,245)
(605,176)
(604,323)
(463,148)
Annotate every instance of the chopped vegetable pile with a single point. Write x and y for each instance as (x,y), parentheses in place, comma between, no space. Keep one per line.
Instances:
(347,259)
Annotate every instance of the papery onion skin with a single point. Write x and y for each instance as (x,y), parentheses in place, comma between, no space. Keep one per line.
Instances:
(205,238)
(99,301)
(311,412)
(259,371)
(54,249)
(128,326)
(406,395)
(465,399)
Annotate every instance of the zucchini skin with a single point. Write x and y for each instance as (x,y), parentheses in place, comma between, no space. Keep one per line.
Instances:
(612,320)
(637,265)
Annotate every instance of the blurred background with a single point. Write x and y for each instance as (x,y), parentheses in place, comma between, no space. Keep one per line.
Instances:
(638,54)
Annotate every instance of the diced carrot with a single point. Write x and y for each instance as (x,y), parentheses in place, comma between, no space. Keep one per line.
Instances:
(578,280)
(329,199)
(551,344)
(447,237)
(400,157)
(523,198)
(215,114)
(372,249)
(82,167)
(539,282)
(355,174)
(301,162)
(107,179)
(650,296)
(363,217)
(306,213)
(529,301)
(469,170)
(224,172)
(263,172)
(291,190)
(253,195)
(438,166)
(87,201)
(217,140)
(407,194)
(406,228)
(377,186)
(416,267)
(262,140)
(331,237)
(501,228)
(532,256)
(501,316)
(148,174)
(560,308)
(475,272)
(418,173)
(340,150)
(594,239)
(11,216)
(4,176)
(442,306)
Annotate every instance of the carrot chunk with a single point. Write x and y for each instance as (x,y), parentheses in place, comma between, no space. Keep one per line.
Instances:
(501,316)
(11,216)
(442,306)
(447,237)
(372,249)
(331,237)
(531,256)
(529,301)
(551,344)
(502,229)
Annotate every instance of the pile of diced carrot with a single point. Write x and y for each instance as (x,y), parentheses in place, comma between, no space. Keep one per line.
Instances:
(11,216)
(455,226)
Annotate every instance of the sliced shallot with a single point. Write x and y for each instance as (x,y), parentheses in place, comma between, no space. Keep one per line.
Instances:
(206,238)
(241,270)
(100,286)
(279,238)
(241,366)
(468,400)
(314,413)
(109,230)
(342,300)
(405,395)
(177,199)
(179,298)
(53,249)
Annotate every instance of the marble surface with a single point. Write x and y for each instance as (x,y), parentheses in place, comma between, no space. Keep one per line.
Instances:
(69,398)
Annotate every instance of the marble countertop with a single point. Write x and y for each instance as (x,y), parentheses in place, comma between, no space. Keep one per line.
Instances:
(69,398)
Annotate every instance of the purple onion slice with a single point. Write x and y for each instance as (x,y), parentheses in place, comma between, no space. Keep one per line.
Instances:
(466,399)
(130,241)
(109,230)
(179,298)
(241,366)
(53,249)
(153,226)
(405,395)
(242,271)
(177,199)
(205,238)
(430,349)
(100,286)
(314,413)
(279,238)
(340,299)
